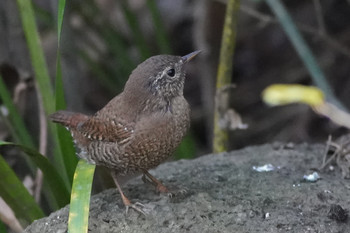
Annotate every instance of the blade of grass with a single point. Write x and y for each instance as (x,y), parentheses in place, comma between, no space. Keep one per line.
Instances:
(36,53)
(225,73)
(61,6)
(80,198)
(41,74)
(161,35)
(303,50)
(17,196)
(51,175)
(9,126)
(64,138)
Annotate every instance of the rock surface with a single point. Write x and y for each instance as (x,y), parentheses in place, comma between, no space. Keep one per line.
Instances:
(226,195)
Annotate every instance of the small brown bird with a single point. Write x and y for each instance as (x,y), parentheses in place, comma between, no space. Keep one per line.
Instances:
(139,128)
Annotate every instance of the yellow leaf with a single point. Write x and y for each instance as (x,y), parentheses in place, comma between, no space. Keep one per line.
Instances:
(281,94)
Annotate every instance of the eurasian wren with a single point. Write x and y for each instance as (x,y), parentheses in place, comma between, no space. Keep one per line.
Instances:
(139,128)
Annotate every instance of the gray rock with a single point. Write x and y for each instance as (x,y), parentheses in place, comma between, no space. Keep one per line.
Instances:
(225,195)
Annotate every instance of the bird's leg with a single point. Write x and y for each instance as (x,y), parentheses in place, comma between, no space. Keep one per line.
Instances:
(126,201)
(151,179)
(147,177)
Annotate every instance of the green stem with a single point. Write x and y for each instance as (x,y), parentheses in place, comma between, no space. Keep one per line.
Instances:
(224,74)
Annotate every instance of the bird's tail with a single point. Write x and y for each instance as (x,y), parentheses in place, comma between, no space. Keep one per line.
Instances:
(68,119)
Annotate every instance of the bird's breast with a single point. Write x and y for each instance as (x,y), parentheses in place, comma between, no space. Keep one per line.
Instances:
(157,137)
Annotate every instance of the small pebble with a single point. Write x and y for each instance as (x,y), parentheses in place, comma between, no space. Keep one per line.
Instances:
(265,168)
(312,177)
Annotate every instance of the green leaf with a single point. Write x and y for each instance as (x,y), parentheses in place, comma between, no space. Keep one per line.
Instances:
(80,198)
(36,53)
(60,14)
(67,150)
(41,75)
(17,196)
(51,176)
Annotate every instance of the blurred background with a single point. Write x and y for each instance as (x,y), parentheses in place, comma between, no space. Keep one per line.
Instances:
(104,40)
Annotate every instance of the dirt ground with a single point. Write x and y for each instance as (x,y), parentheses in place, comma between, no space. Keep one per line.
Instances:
(225,194)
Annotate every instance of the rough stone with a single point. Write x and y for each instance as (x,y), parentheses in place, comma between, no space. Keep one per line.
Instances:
(225,195)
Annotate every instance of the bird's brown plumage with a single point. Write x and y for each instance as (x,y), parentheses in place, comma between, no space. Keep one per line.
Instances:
(139,128)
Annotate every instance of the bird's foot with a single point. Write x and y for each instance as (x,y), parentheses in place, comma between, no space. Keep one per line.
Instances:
(137,206)
(160,188)
(127,203)
(178,192)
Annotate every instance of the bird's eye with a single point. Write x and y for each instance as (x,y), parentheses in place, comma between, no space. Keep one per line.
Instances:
(171,72)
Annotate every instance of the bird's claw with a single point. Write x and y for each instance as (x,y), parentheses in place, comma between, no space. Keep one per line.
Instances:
(181,192)
(160,188)
(136,206)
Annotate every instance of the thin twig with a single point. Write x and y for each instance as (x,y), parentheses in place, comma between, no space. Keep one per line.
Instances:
(42,145)
(8,217)
(19,89)
(326,152)
(335,154)
(340,155)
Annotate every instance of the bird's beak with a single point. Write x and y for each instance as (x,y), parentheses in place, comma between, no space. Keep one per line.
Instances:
(190,56)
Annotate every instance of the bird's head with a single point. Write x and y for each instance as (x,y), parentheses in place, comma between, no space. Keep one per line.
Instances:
(161,76)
